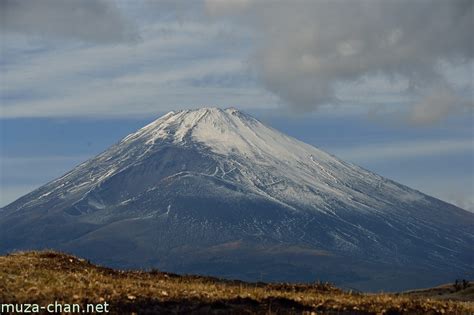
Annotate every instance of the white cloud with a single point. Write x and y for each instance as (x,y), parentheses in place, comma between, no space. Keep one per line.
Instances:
(307,49)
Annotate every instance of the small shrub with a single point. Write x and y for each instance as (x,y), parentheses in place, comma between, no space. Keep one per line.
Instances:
(457,285)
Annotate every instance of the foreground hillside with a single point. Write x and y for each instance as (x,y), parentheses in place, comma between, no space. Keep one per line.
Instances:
(46,277)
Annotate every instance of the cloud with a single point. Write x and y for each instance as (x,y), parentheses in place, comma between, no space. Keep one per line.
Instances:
(400,150)
(437,104)
(174,66)
(307,49)
(218,7)
(304,54)
(97,21)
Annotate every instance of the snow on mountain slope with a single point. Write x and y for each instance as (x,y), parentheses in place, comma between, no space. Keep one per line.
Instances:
(229,179)
(260,158)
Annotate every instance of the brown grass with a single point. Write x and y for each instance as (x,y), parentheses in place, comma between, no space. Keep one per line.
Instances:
(45,277)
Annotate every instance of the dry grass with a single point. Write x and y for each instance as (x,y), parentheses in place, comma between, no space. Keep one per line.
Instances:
(45,277)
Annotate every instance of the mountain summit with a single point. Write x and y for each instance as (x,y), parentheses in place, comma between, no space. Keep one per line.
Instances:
(217,192)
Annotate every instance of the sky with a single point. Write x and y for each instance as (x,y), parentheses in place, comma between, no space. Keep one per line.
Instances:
(387,85)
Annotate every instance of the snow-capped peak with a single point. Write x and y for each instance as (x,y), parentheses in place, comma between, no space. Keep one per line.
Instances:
(241,149)
(226,131)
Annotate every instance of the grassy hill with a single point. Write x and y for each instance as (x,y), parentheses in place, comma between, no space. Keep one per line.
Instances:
(47,277)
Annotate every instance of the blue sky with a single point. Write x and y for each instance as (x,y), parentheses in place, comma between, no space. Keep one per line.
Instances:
(353,79)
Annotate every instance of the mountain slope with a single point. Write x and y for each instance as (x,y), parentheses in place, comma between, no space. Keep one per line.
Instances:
(217,192)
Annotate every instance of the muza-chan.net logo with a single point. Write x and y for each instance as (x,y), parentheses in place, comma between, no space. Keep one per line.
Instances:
(56,307)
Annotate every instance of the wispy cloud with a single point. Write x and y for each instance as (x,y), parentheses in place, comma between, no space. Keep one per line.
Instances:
(407,149)
(160,73)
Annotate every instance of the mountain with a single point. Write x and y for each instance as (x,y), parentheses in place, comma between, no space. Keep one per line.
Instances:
(217,192)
